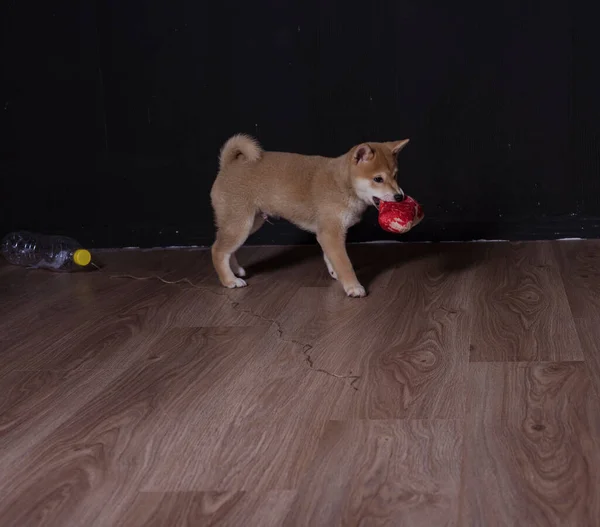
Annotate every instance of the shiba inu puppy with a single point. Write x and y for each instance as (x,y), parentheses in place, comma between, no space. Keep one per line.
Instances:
(322,195)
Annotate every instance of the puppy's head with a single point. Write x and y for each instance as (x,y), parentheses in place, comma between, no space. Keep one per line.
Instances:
(374,170)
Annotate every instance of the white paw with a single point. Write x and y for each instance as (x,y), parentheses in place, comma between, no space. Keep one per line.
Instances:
(238,282)
(240,271)
(356,291)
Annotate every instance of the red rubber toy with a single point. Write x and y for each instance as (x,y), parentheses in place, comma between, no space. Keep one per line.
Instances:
(400,217)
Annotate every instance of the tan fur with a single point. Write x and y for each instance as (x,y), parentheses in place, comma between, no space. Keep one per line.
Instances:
(318,194)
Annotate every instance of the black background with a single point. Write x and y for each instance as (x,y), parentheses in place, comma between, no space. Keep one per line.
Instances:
(112,113)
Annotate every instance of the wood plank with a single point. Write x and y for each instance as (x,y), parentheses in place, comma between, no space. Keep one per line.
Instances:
(382,473)
(79,337)
(225,509)
(407,342)
(36,402)
(532,446)
(580,269)
(70,310)
(264,427)
(116,443)
(32,293)
(521,310)
(18,287)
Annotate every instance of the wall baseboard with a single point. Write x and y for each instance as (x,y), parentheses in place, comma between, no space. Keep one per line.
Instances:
(283,233)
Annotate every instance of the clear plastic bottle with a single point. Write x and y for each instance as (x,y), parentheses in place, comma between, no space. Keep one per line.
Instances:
(57,253)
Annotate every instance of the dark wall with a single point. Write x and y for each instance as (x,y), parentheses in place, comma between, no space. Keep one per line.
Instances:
(112,114)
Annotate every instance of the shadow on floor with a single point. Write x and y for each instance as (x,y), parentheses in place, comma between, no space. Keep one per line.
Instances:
(370,260)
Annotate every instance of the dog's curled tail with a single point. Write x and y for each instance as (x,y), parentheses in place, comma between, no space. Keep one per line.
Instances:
(240,145)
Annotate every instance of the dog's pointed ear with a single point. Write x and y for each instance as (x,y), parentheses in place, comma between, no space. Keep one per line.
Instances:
(362,153)
(396,146)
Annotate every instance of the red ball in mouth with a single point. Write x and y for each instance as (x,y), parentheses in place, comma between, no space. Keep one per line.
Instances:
(400,217)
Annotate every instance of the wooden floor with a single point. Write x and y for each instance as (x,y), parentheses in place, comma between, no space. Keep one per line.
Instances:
(464,390)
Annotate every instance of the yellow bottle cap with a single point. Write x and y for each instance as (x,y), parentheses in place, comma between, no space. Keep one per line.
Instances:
(82,257)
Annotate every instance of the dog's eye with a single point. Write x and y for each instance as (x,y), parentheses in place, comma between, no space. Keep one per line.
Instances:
(378,179)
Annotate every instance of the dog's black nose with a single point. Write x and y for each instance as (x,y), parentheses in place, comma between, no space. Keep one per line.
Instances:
(399,197)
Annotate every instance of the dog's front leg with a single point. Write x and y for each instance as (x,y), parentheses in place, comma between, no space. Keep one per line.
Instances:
(333,241)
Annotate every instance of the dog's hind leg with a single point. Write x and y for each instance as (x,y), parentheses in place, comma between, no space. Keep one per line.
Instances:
(230,236)
(238,270)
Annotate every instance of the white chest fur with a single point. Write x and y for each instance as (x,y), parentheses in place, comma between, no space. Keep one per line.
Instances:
(353,213)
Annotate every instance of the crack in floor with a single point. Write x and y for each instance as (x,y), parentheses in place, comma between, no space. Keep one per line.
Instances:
(306,347)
